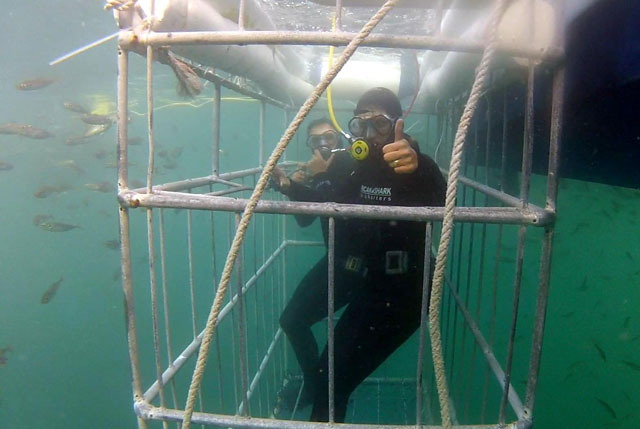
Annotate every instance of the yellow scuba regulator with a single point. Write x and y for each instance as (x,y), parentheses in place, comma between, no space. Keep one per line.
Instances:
(359,149)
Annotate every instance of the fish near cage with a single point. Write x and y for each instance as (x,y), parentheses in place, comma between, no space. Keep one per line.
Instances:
(248,358)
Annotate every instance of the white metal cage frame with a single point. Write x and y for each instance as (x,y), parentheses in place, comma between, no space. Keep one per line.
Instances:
(474,219)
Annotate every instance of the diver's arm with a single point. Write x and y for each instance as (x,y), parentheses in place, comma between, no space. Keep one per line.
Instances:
(430,182)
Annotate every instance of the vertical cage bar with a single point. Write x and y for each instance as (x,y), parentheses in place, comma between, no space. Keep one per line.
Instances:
(338,15)
(150,116)
(524,197)
(215,287)
(503,162)
(152,273)
(257,348)
(262,133)
(216,131)
(439,10)
(514,319)
(154,310)
(556,132)
(284,282)
(241,338)
(465,383)
(125,243)
(527,151)
(426,293)
(547,244)
(241,13)
(264,300)
(281,300)
(330,315)
(192,288)
(192,293)
(539,322)
(165,297)
(469,264)
(234,345)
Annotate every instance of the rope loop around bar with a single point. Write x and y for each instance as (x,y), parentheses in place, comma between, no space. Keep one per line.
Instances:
(450,204)
(121,5)
(255,197)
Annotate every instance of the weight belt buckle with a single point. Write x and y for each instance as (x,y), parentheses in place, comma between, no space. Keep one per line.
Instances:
(353,264)
(396,262)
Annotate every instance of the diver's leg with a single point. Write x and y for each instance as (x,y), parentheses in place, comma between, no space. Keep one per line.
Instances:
(372,327)
(308,305)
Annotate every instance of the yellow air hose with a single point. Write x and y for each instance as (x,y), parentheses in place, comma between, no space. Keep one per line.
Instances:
(329,100)
(359,148)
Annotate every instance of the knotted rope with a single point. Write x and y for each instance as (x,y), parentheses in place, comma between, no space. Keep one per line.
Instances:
(119,4)
(450,203)
(255,197)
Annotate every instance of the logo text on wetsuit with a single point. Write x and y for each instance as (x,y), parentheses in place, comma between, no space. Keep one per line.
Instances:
(375,193)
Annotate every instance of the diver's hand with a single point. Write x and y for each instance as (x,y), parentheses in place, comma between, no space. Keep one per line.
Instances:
(280,179)
(317,164)
(300,175)
(400,155)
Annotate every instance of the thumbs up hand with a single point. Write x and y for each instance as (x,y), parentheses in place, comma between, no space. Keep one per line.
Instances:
(400,155)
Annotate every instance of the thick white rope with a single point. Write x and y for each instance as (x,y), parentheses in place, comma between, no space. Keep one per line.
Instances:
(255,197)
(450,203)
(119,4)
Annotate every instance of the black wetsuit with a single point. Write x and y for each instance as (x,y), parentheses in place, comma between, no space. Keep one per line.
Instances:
(383,297)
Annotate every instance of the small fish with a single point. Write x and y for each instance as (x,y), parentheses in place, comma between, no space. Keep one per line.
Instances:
(568,314)
(627,320)
(101,154)
(9,128)
(72,165)
(634,366)
(45,191)
(134,141)
(5,166)
(117,274)
(94,119)
(96,130)
(38,219)
(75,107)
(100,187)
(135,183)
(629,257)
(175,152)
(170,165)
(33,84)
(601,352)
(3,358)
(91,131)
(24,130)
(112,244)
(608,408)
(32,132)
(48,295)
(57,226)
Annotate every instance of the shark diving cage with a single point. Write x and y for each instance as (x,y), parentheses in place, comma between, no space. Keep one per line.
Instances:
(491,347)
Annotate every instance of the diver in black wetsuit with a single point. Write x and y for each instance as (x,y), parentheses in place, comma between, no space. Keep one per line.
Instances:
(379,264)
